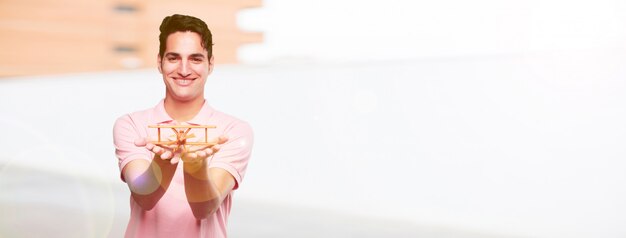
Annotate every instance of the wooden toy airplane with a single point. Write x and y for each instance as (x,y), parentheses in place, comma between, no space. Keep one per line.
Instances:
(181,132)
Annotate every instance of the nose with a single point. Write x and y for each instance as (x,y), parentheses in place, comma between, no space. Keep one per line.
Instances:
(184,69)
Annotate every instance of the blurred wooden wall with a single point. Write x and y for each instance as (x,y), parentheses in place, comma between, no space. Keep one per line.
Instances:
(65,36)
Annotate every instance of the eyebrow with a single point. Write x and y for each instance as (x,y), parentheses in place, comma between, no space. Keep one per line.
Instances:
(172,54)
(197,55)
(177,55)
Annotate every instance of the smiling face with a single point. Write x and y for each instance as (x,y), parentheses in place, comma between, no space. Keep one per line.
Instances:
(185,67)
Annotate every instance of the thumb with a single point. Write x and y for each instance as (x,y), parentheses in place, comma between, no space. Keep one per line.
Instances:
(222,139)
(141,142)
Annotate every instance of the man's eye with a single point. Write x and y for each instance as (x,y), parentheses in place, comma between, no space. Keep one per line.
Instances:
(197,60)
(171,59)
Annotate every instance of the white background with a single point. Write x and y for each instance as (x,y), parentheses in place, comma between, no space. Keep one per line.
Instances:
(349,30)
(501,117)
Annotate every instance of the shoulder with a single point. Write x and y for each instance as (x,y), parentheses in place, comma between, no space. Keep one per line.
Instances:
(233,125)
(230,121)
(132,120)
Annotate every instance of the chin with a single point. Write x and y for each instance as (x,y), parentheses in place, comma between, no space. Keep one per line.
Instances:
(185,97)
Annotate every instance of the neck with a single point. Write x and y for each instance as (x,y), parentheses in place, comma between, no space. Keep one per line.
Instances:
(182,111)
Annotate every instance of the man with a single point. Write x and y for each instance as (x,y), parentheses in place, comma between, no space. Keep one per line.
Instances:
(177,193)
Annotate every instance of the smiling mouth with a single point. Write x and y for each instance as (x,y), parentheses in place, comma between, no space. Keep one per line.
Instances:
(183,82)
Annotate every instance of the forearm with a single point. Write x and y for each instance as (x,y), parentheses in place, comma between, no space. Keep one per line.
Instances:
(203,194)
(149,181)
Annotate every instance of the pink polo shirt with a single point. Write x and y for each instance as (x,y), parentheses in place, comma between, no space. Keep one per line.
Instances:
(172,216)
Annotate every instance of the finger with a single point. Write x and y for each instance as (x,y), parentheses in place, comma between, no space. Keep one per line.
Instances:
(219,140)
(166,155)
(157,150)
(191,155)
(171,147)
(222,139)
(216,148)
(149,146)
(141,142)
(209,151)
(201,154)
(195,148)
(175,159)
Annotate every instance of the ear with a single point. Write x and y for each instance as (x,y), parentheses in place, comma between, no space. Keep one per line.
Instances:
(211,64)
(159,60)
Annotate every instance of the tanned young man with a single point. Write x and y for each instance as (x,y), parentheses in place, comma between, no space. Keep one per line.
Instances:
(175,193)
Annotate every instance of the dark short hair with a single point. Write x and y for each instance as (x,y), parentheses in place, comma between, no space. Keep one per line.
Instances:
(182,23)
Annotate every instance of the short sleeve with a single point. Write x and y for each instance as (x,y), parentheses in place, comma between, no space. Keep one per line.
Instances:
(234,155)
(124,135)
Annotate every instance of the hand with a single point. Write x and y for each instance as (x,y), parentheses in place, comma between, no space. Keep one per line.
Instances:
(194,155)
(199,155)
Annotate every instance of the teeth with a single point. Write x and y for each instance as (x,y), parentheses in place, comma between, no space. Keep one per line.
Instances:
(184,81)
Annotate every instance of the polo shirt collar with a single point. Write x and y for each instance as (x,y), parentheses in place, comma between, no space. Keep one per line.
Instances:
(202,118)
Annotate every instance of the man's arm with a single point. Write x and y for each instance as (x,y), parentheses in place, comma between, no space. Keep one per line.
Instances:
(206,187)
(211,174)
(148,181)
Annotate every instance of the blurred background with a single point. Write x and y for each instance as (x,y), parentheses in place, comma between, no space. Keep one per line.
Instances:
(389,118)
